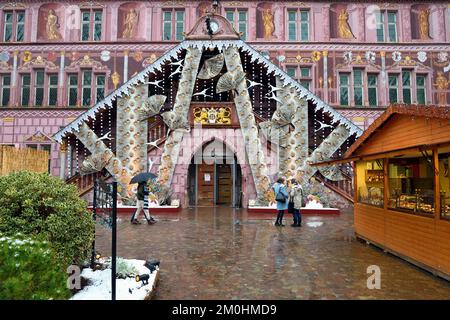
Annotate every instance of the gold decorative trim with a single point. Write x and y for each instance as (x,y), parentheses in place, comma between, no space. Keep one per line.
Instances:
(39,61)
(91,4)
(299,59)
(408,62)
(38,137)
(172,3)
(5,66)
(13,5)
(149,60)
(233,4)
(316,55)
(212,115)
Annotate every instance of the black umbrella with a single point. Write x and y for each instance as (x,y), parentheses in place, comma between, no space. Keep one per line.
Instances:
(143,177)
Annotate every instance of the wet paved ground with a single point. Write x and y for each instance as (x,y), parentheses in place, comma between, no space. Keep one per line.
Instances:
(223,253)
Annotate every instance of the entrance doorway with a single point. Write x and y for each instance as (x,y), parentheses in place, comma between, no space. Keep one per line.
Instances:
(224,182)
(205,184)
(214,177)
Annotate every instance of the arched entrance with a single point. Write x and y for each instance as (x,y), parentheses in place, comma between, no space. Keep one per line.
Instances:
(215,176)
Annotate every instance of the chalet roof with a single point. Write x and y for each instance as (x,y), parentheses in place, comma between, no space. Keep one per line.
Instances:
(425,111)
(221,42)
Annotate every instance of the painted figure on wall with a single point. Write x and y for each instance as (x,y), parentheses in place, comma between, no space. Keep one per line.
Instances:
(424,27)
(52,26)
(130,24)
(115,79)
(269,26)
(442,84)
(344,29)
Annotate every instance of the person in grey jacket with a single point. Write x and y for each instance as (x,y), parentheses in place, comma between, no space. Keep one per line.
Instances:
(296,196)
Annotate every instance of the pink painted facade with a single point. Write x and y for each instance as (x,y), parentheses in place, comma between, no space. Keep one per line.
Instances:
(359,76)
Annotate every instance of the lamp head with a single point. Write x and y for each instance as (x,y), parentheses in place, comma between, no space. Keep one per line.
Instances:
(143,277)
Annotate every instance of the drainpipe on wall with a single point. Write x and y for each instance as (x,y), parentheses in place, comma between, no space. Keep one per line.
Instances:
(62,159)
(61,79)
(14,80)
(384,77)
(125,66)
(325,76)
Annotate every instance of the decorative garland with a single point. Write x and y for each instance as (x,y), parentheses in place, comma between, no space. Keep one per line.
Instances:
(202,45)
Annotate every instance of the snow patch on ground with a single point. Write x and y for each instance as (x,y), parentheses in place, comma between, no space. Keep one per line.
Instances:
(100,288)
(314,224)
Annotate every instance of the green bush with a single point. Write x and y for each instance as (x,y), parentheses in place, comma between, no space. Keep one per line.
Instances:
(40,205)
(28,270)
(125,269)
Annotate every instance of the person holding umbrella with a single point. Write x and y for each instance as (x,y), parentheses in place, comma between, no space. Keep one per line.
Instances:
(142,197)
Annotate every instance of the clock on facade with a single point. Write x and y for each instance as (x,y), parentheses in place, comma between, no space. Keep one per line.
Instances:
(214,26)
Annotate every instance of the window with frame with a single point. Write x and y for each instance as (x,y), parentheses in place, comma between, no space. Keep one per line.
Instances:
(302,74)
(444,181)
(406,86)
(411,183)
(372,90)
(91,25)
(305,77)
(393,88)
(38,89)
(291,72)
(85,88)
(5,89)
(370,182)
(421,92)
(100,87)
(386,21)
(52,94)
(173,25)
(298,25)
(344,89)
(13,26)
(25,89)
(39,82)
(72,90)
(358,88)
(238,18)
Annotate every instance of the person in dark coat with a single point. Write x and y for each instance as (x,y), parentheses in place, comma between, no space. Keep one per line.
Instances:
(142,193)
(296,196)
(279,188)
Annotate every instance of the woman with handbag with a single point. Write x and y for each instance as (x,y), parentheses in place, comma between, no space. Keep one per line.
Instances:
(281,196)
(295,202)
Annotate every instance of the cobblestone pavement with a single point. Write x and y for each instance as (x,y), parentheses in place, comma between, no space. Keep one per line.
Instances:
(222,253)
